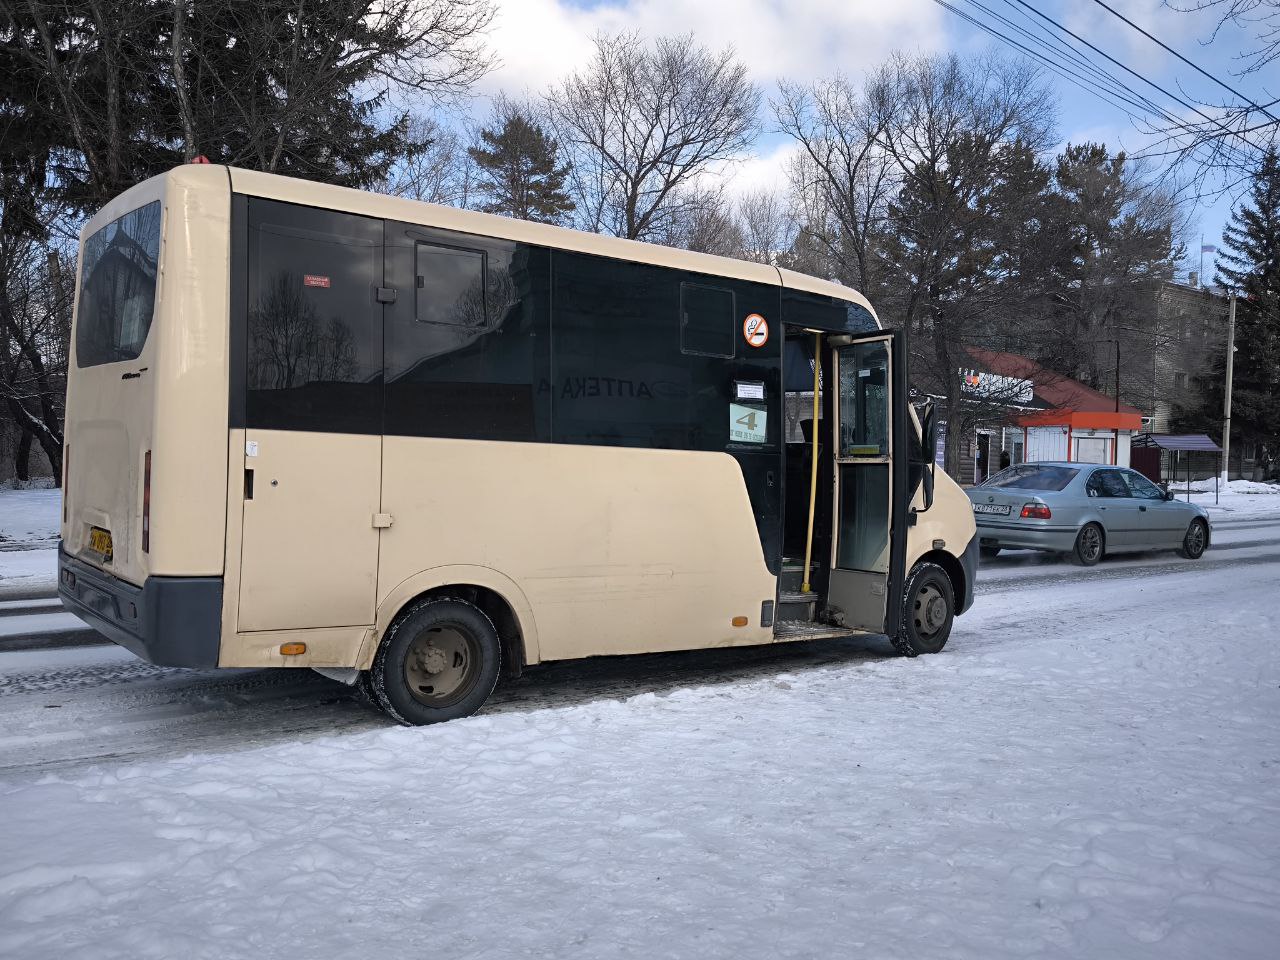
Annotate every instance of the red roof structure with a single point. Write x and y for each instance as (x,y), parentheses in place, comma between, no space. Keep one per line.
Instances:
(1070,403)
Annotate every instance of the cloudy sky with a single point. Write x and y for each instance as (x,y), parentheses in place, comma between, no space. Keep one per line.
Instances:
(539,41)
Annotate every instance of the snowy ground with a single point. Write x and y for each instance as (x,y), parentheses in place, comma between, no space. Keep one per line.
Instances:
(29,541)
(1239,498)
(1090,769)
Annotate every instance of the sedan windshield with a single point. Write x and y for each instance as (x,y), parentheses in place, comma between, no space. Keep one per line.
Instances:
(1033,476)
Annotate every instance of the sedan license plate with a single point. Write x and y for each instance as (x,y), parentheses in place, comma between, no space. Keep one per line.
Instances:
(100,542)
(1002,509)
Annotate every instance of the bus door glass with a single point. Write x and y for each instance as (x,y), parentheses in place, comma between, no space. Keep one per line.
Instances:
(869,491)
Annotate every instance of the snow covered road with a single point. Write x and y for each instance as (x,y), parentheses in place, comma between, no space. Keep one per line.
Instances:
(1091,769)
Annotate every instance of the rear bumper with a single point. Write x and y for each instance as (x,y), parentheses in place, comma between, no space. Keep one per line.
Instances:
(168,621)
(1025,536)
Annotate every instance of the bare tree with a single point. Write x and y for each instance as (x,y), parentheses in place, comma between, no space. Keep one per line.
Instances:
(36,293)
(1221,142)
(439,171)
(1262,17)
(766,226)
(706,225)
(642,123)
(844,174)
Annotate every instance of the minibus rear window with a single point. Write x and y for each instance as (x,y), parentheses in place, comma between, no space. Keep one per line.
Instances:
(118,288)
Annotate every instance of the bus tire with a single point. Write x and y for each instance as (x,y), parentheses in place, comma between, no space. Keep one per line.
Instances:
(928,611)
(439,661)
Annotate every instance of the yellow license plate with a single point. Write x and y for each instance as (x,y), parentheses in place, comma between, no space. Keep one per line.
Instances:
(100,542)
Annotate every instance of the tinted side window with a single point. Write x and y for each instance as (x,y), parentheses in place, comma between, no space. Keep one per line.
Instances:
(468,355)
(1106,483)
(118,288)
(314,324)
(449,285)
(707,319)
(620,377)
(1141,487)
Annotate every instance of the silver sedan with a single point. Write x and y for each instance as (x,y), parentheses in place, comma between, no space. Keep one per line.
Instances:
(1084,510)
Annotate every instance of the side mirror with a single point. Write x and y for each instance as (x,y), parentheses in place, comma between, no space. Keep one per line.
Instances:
(1169,495)
(928,444)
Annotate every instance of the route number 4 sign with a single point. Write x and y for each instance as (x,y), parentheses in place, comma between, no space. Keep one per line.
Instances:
(748,424)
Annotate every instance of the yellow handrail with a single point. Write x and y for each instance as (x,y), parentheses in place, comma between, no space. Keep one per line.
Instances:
(813,470)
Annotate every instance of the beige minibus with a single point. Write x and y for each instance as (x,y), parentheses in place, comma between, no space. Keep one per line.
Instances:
(416,448)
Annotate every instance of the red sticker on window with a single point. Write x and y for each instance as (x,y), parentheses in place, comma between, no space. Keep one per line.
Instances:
(311,280)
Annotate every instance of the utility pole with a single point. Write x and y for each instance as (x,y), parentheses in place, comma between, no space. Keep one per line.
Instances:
(1226,400)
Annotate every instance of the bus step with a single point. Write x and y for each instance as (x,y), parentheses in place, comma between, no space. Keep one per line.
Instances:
(793,575)
(807,630)
(793,605)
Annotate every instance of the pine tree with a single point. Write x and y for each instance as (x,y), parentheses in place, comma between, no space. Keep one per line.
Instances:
(1250,264)
(519,173)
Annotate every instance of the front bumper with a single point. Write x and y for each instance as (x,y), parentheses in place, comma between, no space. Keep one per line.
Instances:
(169,621)
(1025,536)
(969,562)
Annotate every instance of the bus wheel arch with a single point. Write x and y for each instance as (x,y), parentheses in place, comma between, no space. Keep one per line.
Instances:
(954,570)
(499,598)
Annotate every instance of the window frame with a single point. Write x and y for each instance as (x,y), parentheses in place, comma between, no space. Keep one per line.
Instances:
(81,339)
(418,244)
(733,316)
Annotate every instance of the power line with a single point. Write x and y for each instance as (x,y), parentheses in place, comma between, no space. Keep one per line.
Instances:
(1230,89)
(1062,70)
(1099,74)
(1152,83)
(1098,81)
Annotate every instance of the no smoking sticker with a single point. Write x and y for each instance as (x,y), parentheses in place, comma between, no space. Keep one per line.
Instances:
(755,330)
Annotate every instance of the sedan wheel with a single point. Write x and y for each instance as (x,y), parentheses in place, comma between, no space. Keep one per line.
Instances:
(1196,540)
(1090,543)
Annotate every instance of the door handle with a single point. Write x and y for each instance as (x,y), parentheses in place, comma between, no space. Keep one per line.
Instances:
(1142,508)
(381,521)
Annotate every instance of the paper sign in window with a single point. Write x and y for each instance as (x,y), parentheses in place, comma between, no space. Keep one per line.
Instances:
(748,424)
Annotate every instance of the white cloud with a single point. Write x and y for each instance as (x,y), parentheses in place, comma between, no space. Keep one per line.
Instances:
(540,41)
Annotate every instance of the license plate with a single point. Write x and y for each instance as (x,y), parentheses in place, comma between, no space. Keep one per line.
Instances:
(998,508)
(100,542)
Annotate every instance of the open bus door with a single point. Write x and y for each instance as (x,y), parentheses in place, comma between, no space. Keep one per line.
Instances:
(870,491)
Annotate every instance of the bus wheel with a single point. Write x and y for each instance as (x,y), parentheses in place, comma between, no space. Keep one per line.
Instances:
(439,661)
(928,611)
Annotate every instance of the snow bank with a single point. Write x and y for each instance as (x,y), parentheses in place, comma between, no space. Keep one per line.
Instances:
(1241,487)
(29,522)
(1087,771)
(29,516)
